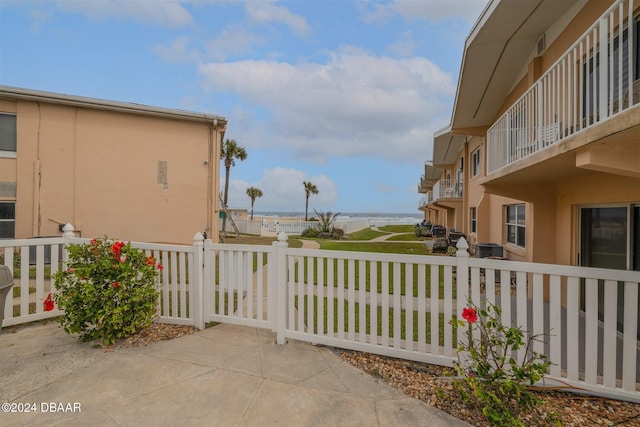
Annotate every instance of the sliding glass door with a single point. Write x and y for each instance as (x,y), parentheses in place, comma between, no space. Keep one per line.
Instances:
(610,238)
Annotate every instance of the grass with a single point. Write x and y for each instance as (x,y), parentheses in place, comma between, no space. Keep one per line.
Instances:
(17,291)
(246,239)
(406,237)
(403,228)
(382,247)
(366,234)
(379,329)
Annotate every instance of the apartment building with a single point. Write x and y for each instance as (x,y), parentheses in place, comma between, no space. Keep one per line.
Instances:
(542,155)
(128,171)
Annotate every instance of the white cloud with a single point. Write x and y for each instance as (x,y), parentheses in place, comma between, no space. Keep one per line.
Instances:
(433,10)
(354,105)
(164,13)
(283,190)
(405,46)
(234,40)
(266,12)
(176,51)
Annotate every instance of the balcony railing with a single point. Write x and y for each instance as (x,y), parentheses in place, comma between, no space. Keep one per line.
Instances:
(445,189)
(593,81)
(428,198)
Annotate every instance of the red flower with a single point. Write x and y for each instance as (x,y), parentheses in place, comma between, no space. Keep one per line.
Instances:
(48,303)
(150,261)
(160,267)
(115,248)
(116,284)
(469,314)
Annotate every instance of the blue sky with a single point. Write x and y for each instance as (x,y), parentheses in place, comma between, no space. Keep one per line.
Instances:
(343,93)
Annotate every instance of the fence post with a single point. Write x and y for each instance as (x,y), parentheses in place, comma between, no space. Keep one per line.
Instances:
(462,282)
(197,285)
(280,286)
(68,231)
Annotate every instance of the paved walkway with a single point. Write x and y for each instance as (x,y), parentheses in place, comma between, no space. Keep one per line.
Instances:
(223,376)
(312,244)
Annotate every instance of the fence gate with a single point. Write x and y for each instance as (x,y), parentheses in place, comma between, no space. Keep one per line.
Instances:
(238,281)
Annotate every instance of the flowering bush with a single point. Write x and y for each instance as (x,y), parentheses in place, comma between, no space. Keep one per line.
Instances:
(108,290)
(492,378)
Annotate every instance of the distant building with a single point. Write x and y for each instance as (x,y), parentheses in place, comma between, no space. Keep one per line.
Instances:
(542,155)
(124,170)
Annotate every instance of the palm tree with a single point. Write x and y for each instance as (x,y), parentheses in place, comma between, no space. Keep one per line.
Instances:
(309,189)
(253,193)
(229,152)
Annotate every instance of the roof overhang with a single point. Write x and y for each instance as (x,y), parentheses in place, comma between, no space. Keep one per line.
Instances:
(446,146)
(431,175)
(12,93)
(497,50)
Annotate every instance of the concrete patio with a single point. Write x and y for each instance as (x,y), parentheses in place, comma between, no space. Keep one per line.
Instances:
(225,376)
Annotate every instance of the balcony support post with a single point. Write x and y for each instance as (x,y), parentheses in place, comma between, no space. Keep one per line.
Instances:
(603,69)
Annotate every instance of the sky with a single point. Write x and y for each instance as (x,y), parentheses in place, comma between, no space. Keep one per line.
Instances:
(345,94)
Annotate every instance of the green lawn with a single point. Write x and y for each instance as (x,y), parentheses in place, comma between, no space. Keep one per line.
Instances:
(405,237)
(366,234)
(383,247)
(404,228)
(379,321)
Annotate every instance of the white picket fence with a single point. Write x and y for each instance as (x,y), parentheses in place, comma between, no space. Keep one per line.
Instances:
(388,304)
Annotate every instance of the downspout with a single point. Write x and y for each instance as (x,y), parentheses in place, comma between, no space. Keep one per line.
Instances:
(215,138)
(35,216)
(210,185)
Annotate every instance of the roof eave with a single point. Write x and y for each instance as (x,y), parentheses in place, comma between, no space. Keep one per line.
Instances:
(8,92)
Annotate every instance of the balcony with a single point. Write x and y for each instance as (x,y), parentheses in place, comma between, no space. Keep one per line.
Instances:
(424,201)
(447,189)
(586,87)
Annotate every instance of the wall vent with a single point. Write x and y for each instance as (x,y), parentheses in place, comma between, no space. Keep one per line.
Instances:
(541,45)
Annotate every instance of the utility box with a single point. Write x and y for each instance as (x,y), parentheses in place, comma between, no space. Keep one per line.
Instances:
(6,283)
(47,251)
(486,250)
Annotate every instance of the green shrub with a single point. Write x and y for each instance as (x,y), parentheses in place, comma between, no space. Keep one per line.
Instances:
(492,378)
(310,232)
(108,291)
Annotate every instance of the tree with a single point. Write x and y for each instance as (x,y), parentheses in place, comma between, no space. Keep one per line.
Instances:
(253,194)
(229,152)
(309,189)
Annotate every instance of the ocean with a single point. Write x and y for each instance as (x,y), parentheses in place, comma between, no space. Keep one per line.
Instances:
(375,218)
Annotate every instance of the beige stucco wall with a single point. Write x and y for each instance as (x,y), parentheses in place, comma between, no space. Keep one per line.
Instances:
(552,233)
(98,170)
(597,189)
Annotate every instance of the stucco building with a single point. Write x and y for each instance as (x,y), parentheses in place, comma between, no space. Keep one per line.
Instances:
(542,155)
(124,170)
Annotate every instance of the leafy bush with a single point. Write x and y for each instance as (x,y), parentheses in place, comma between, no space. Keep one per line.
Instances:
(108,291)
(325,228)
(492,378)
(310,232)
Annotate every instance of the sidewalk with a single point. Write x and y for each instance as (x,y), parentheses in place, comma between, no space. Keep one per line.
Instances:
(226,375)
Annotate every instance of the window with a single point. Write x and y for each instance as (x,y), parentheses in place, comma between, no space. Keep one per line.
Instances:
(615,86)
(7,220)
(472,216)
(515,225)
(475,162)
(7,135)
